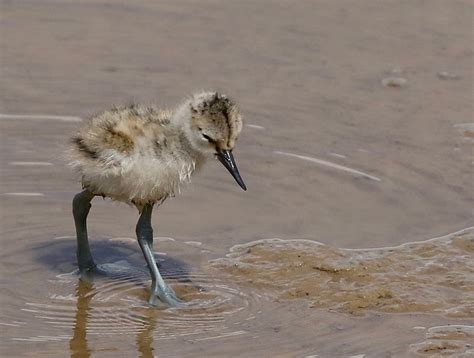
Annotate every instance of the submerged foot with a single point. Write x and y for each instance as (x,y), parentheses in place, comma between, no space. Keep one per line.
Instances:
(90,273)
(167,298)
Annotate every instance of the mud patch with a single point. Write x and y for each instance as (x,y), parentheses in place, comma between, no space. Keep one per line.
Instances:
(432,276)
(446,341)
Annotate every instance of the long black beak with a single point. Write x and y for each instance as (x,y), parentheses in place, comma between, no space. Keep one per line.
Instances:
(227,159)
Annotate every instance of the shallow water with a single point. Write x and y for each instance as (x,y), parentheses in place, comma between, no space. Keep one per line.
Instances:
(336,160)
(298,295)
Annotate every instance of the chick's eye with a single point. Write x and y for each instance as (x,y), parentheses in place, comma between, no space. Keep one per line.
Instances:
(209,139)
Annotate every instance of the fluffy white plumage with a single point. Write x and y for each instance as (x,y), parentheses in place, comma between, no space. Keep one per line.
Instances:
(140,154)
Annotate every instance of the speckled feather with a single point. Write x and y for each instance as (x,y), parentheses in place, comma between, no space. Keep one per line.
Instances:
(140,154)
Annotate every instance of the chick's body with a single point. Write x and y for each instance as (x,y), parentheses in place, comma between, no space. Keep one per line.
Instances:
(135,154)
(141,155)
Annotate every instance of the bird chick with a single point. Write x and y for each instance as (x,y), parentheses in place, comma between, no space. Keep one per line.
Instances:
(141,155)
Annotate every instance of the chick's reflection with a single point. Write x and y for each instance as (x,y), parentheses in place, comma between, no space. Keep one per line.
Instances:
(79,344)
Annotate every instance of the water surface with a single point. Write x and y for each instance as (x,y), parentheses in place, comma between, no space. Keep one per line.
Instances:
(336,163)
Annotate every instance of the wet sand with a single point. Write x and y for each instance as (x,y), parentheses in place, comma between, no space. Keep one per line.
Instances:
(433,276)
(358,134)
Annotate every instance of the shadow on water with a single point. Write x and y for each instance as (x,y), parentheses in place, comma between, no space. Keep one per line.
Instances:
(60,256)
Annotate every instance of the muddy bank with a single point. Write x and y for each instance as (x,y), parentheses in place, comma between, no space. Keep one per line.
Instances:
(434,276)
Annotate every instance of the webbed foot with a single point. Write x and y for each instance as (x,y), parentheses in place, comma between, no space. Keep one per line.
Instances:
(166,297)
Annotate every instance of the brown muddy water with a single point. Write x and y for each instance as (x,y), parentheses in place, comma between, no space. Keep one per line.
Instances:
(355,238)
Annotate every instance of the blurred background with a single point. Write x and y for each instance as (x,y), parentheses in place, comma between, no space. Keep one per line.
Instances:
(310,73)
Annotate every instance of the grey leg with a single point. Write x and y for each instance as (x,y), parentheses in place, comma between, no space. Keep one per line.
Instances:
(80,209)
(159,289)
